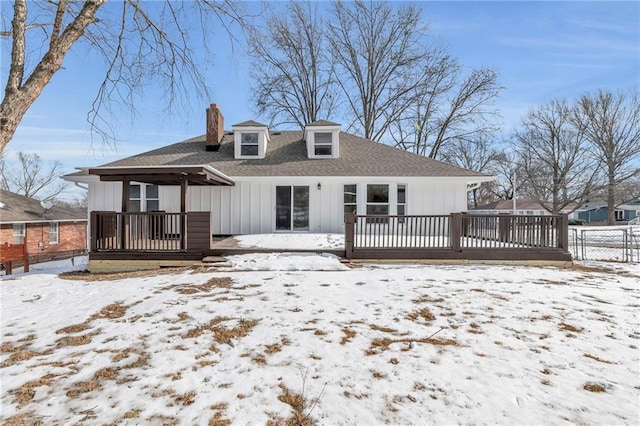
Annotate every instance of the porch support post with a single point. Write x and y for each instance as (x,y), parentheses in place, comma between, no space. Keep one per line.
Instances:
(184,184)
(455,233)
(124,224)
(564,232)
(349,225)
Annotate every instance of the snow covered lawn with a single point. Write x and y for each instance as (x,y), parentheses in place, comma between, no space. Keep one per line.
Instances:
(272,339)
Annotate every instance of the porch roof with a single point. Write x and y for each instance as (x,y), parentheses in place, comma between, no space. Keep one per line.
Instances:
(164,175)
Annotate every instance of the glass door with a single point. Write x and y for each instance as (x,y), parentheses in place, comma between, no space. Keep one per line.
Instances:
(292,208)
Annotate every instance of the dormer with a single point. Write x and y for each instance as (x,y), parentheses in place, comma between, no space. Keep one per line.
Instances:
(250,140)
(323,139)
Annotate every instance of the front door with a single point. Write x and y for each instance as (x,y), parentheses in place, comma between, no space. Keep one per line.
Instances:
(292,208)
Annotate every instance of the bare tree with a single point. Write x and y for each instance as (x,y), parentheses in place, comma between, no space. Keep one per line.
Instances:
(293,80)
(377,50)
(28,176)
(479,155)
(553,157)
(448,108)
(611,124)
(138,41)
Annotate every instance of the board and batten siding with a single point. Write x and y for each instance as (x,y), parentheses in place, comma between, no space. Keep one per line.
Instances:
(249,206)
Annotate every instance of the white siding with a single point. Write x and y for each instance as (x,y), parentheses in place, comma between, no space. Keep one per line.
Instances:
(249,206)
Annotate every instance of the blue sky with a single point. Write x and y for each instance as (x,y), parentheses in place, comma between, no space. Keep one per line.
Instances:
(541,50)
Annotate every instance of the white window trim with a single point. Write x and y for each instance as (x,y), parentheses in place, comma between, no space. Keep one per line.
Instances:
(143,196)
(355,203)
(309,137)
(22,227)
(263,139)
(57,232)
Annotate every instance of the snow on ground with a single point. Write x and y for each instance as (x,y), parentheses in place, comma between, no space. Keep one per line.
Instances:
(292,241)
(399,344)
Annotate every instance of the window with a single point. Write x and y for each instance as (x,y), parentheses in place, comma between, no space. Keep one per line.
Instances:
(53,233)
(619,214)
(153,202)
(143,198)
(402,202)
(135,194)
(249,144)
(322,144)
(377,202)
(350,199)
(18,233)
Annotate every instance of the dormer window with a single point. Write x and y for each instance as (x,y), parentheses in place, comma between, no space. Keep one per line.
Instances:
(322,139)
(322,144)
(249,144)
(250,140)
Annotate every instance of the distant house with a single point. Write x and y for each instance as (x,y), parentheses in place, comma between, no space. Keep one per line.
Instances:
(46,231)
(597,211)
(523,207)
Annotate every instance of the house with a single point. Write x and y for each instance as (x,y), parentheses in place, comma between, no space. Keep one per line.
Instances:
(524,207)
(47,231)
(597,211)
(253,179)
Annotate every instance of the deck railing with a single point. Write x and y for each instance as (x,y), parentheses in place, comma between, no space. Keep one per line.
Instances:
(139,231)
(479,236)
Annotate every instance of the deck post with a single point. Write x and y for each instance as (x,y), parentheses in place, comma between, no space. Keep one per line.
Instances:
(25,253)
(94,231)
(124,226)
(349,222)
(563,224)
(455,233)
(183,208)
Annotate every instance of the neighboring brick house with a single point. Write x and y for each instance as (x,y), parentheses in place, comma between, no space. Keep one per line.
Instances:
(47,232)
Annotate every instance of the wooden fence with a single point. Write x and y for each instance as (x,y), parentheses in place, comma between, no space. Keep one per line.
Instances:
(457,236)
(10,253)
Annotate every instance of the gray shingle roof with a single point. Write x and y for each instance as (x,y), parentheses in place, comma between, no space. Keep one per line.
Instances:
(287,156)
(18,208)
(249,123)
(322,123)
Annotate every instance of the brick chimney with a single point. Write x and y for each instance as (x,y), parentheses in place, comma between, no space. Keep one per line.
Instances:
(215,128)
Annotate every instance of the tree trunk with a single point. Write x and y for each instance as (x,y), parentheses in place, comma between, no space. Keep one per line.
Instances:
(611,199)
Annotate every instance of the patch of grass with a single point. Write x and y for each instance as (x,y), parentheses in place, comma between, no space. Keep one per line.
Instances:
(83,387)
(186,398)
(22,419)
(383,329)
(348,335)
(25,393)
(112,311)
(217,420)
(222,334)
(598,359)
(76,328)
(593,387)
(425,298)
(569,327)
(424,313)
(272,349)
(107,373)
(297,402)
(111,276)
(132,414)
(224,282)
(384,343)
(84,339)
(21,355)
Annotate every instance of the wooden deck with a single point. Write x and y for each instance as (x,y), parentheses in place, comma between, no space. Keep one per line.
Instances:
(171,239)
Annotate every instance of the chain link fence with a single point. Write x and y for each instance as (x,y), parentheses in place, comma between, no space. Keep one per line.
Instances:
(617,244)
